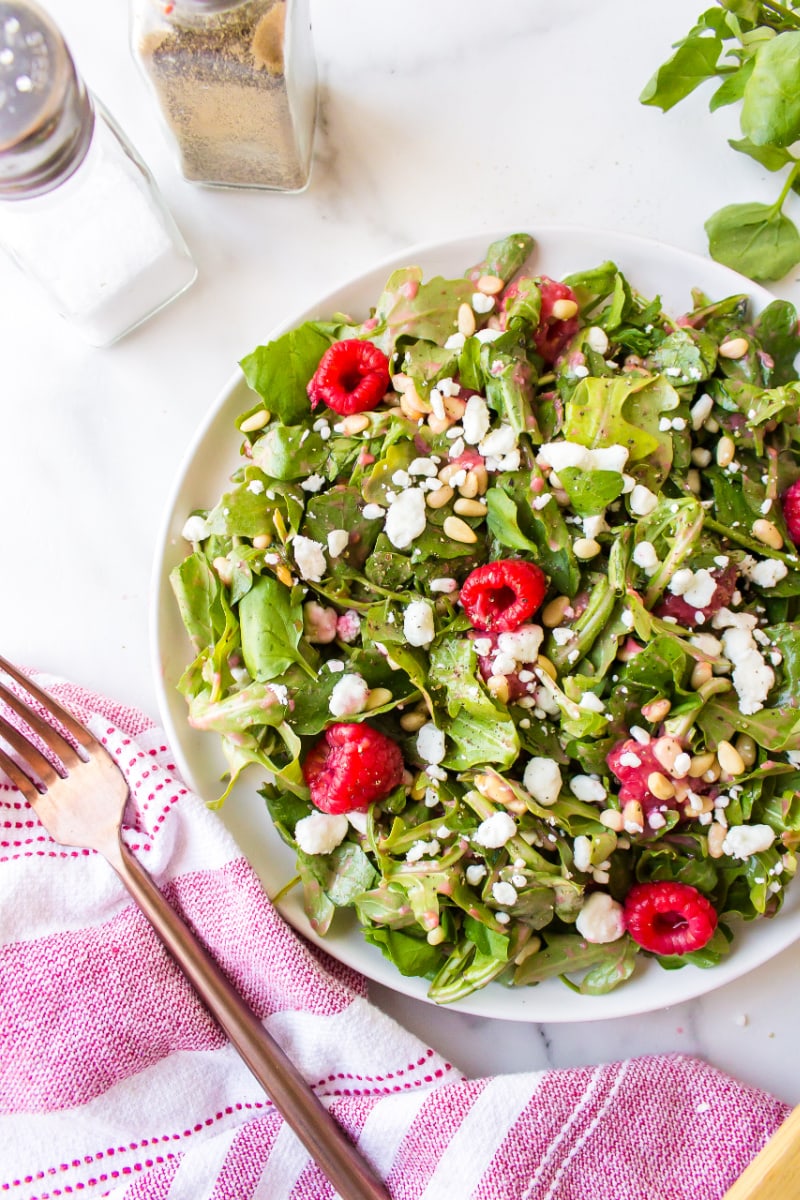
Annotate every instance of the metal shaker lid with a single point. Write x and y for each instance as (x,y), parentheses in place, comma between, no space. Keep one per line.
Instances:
(46,114)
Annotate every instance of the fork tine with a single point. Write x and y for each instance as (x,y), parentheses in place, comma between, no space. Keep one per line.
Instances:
(34,760)
(50,736)
(19,779)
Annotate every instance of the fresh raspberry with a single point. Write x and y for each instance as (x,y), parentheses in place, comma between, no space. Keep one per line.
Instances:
(669,918)
(791,511)
(551,334)
(352,377)
(686,615)
(501,595)
(516,687)
(351,767)
(633,773)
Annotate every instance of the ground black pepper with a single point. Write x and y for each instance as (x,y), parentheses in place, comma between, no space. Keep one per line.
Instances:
(236,86)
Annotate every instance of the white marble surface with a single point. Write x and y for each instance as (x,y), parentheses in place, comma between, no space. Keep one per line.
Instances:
(436,120)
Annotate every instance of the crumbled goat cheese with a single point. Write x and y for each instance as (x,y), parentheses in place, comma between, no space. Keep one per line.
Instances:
(644,555)
(423,466)
(495,831)
(195,529)
(348,627)
(418,624)
(766,573)
(373,512)
(752,676)
(522,643)
(743,840)
(504,893)
(405,519)
(596,339)
(476,420)
(310,558)
(349,696)
(591,702)
(423,850)
(582,853)
(558,455)
(314,483)
(475,873)
(337,542)
(481,303)
(643,501)
(542,778)
(319,832)
(601,919)
(444,585)
(430,743)
(585,788)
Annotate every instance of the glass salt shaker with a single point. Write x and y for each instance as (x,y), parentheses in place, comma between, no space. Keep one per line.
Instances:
(236,85)
(79,211)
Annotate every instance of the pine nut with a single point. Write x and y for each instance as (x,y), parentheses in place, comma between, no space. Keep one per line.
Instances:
(449,470)
(377,697)
(262,541)
(440,497)
(412,721)
(553,613)
(700,764)
(466,320)
(256,420)
(401,382)
(734,348)
(730,759)
(768,533)
(666,750)
(747,748)
(469,488)
(355,423)
(494,788)
(285,575)
(693,481)
(562,310)
(454,407)
(412,405)
(470,508)
(490,285)
(439,424)
(435,936)
(726,448)
(224,570)
(701,673)
(716,836)
(656,710)
(459,531)
(482,476)
(661,787)
(544,664)
(612,819)
(712,774)
(633,817)
(498,687)
(586,548)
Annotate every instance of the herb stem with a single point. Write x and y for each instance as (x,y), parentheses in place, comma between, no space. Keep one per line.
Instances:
(787,187)
(780,10)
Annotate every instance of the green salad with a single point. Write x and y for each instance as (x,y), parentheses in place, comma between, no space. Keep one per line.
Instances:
(502,599)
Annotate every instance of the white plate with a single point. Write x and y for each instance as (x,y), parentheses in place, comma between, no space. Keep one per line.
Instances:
(652,268)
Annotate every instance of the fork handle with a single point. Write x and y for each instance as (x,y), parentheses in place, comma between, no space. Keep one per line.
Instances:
(302,1109)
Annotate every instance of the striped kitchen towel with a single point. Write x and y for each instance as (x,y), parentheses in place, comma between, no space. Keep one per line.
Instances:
(115,1082)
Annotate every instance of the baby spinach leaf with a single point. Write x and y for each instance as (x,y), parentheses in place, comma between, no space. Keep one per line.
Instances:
(281,370)
(590,492)
(271,626)
(754,239)
(771,105)
(693,63)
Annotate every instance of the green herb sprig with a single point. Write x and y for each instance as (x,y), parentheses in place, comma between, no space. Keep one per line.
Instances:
(753,48)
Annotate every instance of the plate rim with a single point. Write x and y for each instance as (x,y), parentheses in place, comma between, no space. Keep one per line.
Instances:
(495,1001)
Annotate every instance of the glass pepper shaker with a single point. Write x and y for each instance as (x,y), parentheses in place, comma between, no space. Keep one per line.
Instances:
(236,85)
(79,211)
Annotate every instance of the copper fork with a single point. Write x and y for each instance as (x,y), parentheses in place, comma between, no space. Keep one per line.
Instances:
(81,804)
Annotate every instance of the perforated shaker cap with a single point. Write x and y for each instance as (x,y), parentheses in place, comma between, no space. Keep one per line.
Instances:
(46,114)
